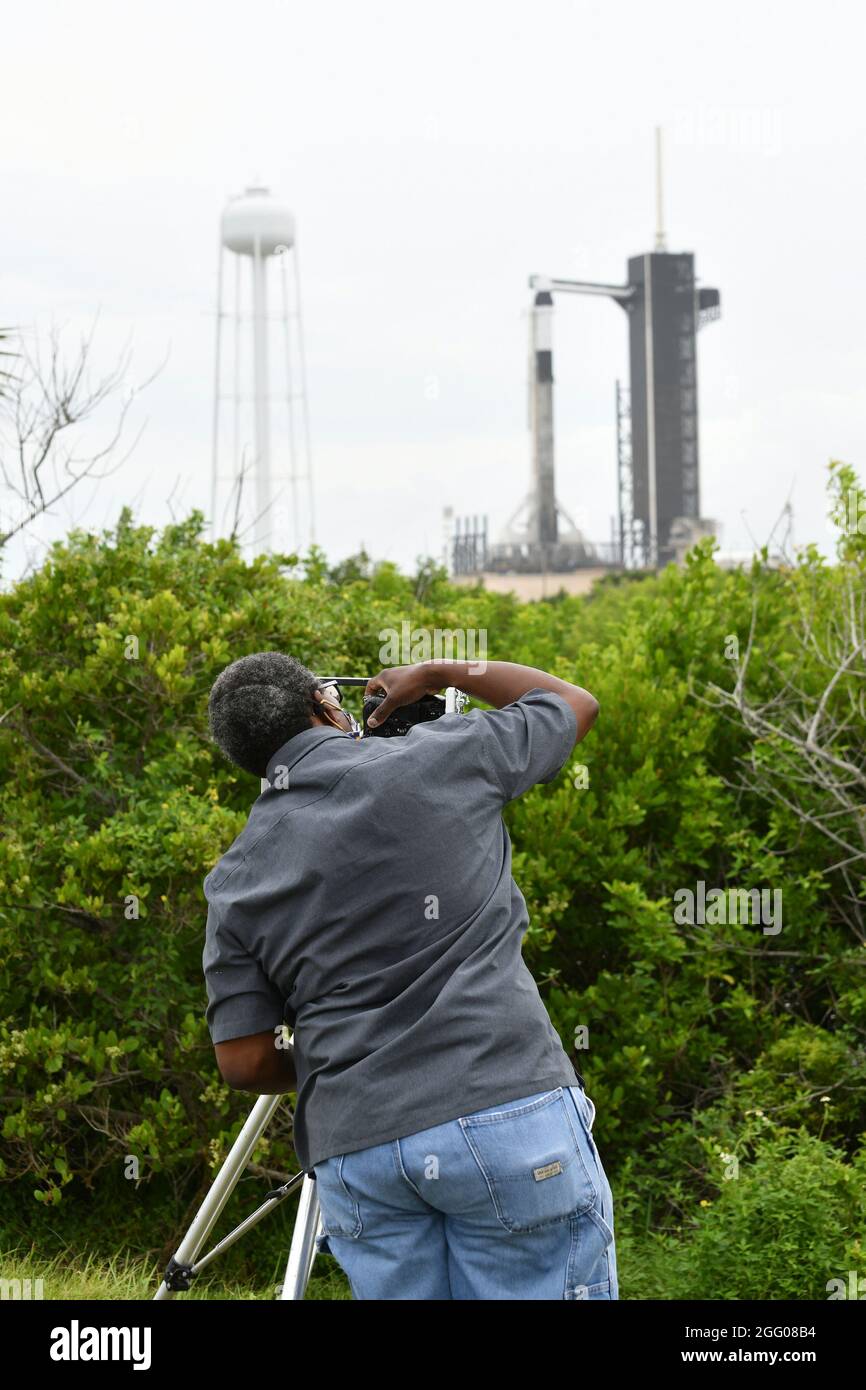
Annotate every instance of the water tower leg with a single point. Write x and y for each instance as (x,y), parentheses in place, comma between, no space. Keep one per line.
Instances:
(264,521)
(214,529)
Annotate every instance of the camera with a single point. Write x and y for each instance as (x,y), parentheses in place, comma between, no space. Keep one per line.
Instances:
(398,724)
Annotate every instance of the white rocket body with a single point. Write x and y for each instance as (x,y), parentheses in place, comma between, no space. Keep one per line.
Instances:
(543,526)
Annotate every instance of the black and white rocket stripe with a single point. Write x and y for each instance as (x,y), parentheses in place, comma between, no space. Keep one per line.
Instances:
(541,419)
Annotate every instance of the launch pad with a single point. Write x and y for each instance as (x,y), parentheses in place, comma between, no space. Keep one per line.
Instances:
(658,476)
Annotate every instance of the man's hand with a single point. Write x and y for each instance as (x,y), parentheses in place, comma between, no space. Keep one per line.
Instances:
(261,1062)
(401,685)
(497,683)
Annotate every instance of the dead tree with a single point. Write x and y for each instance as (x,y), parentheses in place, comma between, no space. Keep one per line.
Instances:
(807,750)
(42,454)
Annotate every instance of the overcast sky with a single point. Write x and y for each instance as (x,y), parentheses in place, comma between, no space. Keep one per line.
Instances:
(436,156)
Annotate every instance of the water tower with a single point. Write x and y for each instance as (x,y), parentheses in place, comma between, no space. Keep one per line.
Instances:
(261,483)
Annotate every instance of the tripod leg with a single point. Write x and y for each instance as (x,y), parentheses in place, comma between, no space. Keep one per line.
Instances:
(223,1185)
(303,1248)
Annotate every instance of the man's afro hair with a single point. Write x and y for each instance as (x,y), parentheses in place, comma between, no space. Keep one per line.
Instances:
(257,704)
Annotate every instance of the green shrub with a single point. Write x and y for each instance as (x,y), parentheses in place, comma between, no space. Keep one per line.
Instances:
(115,805)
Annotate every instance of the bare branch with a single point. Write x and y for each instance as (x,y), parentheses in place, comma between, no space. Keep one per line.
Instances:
(48,400)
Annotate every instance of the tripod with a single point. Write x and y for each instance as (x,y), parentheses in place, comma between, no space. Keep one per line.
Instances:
(187,1262)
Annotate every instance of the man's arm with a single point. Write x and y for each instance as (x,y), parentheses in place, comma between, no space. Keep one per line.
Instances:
(245,1008)
(256,1063)
(498,684)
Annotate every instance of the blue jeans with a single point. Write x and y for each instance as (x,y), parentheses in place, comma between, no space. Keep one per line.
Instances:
(511,1202)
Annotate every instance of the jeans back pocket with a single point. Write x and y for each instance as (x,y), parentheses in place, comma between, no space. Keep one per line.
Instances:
(535,1160)
(338,1209)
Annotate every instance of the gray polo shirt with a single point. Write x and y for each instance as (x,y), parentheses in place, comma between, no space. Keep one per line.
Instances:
(368,902)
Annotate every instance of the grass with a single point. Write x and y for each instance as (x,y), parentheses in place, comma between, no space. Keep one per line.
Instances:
(123,1278)
(644,1271)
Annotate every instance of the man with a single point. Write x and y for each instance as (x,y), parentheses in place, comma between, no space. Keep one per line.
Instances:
(369,904)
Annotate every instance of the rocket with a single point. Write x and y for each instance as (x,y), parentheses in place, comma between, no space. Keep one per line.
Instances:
(543,527)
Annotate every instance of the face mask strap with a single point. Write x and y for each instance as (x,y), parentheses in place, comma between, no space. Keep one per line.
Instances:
(355,729)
